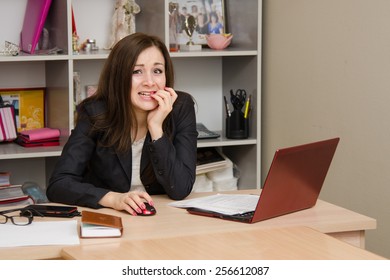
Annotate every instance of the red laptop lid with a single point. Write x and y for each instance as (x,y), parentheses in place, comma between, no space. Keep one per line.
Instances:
(295,179)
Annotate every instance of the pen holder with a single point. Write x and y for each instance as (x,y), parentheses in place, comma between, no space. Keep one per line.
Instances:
(237,126)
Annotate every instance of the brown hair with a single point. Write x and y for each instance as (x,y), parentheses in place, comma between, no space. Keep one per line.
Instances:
(114,87)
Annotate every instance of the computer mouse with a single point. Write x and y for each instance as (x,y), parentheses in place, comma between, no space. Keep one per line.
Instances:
(148,211)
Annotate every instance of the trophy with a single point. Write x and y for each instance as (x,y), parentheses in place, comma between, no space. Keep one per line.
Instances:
(189,26)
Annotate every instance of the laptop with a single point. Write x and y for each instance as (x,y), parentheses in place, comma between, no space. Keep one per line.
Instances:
(293,183)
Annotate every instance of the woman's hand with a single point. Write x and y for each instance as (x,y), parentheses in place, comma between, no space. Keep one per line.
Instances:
(165,99)
(132,202)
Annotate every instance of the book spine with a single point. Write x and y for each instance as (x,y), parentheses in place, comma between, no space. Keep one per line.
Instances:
(7,115)
(2,126)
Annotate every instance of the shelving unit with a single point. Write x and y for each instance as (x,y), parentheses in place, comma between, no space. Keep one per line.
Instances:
(208,75)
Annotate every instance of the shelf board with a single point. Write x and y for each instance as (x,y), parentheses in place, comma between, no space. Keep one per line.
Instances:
(22,57)
(223,142)
(97,54)
(15,151)
(206,52)
(103,54)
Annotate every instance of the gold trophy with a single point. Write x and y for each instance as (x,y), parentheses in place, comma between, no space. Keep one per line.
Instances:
(189,26)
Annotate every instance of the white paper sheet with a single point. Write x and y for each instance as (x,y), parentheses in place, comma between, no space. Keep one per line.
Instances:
(229,204)
(39,233)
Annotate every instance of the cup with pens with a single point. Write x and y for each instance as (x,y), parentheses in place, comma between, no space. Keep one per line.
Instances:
(237,121)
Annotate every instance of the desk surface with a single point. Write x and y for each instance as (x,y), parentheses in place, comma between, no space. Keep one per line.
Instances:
(172,222)
(290,243)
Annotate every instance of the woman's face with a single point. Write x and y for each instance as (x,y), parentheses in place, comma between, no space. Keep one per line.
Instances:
(148,77)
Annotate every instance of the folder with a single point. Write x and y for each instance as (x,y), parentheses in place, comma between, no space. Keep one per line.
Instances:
(44,133)
(39,137)
(34,20)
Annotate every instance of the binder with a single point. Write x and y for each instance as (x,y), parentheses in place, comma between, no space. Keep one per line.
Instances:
(34,20)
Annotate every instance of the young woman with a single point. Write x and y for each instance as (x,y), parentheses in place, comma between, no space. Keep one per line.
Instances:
(134,138)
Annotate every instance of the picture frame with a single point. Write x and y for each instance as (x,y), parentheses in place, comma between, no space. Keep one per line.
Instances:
(209,16)
(29,106)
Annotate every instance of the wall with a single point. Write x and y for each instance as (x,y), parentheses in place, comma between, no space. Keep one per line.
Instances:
(326,73)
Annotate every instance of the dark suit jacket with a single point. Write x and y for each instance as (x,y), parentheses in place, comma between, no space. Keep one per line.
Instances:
(85,171)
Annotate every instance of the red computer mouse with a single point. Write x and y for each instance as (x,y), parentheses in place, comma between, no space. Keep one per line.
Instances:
(148,211)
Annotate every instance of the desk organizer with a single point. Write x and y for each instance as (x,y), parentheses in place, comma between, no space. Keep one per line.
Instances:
(237,126)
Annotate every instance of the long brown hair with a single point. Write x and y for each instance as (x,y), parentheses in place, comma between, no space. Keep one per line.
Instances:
(114,86)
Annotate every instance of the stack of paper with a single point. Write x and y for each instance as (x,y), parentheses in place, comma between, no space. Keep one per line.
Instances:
(39,233)
(229,204)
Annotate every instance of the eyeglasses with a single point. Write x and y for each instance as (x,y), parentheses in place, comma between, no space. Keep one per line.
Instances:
(23,219)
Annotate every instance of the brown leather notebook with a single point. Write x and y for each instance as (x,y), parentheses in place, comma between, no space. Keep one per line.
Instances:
(95,225)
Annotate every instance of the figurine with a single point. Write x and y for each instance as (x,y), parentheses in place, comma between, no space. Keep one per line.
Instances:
(123,20)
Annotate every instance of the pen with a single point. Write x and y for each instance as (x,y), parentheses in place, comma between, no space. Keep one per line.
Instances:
(247,103)
(227,107)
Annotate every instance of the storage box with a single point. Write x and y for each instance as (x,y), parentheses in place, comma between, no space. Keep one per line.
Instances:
(202,184)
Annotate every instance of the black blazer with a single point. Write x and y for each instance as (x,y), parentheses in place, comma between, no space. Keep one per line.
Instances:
(85,171)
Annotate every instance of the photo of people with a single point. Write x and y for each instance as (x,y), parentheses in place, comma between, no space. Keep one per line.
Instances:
(209,17)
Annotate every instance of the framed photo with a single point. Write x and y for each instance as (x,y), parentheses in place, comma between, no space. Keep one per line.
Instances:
(209,17)
(29,106)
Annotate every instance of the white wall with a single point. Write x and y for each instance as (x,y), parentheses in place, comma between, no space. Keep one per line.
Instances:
(326,73)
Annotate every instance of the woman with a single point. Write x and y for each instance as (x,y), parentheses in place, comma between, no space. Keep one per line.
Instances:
(135,137)
(214,26)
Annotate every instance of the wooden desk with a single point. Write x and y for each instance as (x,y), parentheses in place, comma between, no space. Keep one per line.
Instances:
(170,222)
(292,243)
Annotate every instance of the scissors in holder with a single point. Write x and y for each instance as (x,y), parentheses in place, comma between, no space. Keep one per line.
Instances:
(238,99)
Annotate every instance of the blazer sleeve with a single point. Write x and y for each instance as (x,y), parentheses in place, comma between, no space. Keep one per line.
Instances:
(67,183)
(174,160)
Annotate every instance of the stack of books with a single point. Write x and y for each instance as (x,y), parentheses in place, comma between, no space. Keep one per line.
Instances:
(209,159)
(5,179)
(39,137)
(13,195)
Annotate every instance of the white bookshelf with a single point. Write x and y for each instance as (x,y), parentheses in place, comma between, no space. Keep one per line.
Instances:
(208,75)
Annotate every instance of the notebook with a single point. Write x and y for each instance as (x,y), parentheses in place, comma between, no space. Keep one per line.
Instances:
(293,183)
(34,20)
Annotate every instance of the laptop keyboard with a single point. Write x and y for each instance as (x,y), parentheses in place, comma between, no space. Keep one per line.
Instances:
(246,214)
